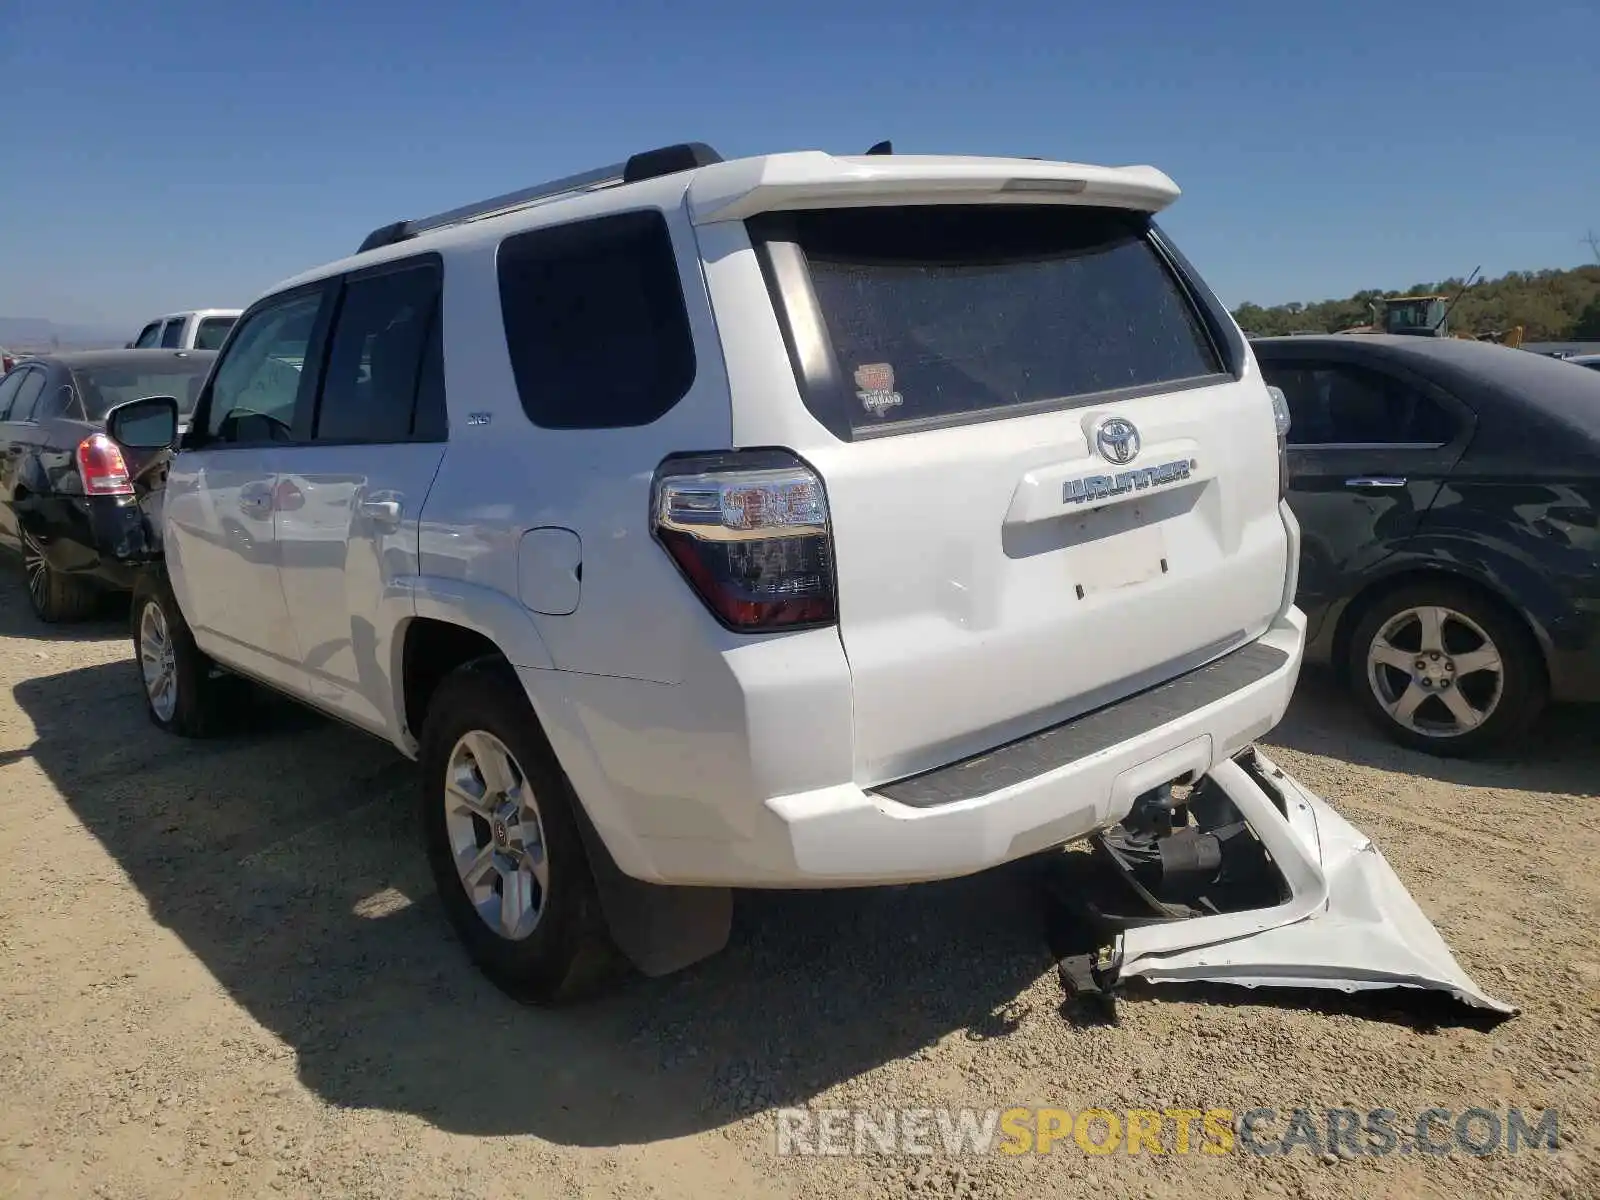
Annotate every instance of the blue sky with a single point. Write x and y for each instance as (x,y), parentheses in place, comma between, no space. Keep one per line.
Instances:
(174,154)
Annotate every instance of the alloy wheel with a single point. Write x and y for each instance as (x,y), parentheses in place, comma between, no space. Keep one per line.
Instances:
(496,837)
(1435,671)
(158,661)
(35,569)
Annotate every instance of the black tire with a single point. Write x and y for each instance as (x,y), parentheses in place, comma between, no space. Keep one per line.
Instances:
(568,953)
(1522,688)
(198,706)
(54,597)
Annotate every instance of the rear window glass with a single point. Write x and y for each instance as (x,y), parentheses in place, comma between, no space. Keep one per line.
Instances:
(102,387)
(595,322)
(212,331)
(378,347)
(956,311)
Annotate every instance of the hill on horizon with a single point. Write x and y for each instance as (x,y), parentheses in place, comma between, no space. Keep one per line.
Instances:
(1553,305)
(41,333)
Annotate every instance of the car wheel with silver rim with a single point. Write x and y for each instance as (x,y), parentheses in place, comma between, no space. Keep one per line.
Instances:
(492,820)
(500,827)
(52,595)
(34,569)
(1446,669)
(157,661)
(182,692)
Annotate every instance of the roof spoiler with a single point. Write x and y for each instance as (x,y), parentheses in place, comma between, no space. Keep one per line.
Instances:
(812,179)
(647,164)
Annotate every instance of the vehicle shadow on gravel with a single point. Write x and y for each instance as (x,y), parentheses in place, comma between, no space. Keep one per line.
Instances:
(1560,755)
(287,859)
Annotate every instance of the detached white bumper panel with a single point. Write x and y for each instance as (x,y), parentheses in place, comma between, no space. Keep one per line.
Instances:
(1349,923)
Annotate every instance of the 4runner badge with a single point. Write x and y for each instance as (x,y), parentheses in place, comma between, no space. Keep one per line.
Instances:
(875,384)
(1103,487)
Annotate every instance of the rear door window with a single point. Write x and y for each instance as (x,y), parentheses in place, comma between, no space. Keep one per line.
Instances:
(8,391)
(376,358)
(1342,404)
(57,402)
(944,313)
(172,335)
(27,396)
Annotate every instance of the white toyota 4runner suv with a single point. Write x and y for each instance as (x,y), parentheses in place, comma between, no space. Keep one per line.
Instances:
(794,521)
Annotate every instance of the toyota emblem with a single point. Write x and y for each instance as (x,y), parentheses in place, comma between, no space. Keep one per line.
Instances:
(1117,440)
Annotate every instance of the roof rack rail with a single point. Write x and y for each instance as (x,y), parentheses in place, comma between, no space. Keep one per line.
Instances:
(648,164)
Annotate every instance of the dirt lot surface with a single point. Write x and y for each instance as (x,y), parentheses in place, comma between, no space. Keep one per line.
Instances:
(224,973)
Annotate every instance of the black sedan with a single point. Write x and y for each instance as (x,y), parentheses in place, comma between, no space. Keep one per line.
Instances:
(66,490)
(1448,494)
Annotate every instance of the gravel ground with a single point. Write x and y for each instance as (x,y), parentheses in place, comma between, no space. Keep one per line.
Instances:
(224,973)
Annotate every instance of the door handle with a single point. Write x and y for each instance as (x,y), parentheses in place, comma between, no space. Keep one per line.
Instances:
(254,503)
(385,511)
(1381,481)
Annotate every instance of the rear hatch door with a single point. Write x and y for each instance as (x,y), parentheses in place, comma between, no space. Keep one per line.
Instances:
(1051,481)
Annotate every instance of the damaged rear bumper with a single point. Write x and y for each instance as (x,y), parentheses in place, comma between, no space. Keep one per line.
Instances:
(1342,920)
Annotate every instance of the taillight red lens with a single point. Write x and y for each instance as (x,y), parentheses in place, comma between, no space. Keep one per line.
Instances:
(749,530)
(101,465)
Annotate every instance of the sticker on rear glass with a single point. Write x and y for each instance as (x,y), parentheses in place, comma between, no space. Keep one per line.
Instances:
(875,388)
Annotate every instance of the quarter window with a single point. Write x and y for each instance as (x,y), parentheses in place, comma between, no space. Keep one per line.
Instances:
(1344,404)
(258,380)
(595,322)
(376,357)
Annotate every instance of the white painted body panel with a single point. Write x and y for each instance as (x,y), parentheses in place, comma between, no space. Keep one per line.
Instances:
(222,556)
(346,566)
(742,775)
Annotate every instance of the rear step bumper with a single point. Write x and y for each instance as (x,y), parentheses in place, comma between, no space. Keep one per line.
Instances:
(1077,739)
(1055,787)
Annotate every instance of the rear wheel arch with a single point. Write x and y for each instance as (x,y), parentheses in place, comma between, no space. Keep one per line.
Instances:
(657,928)
(430,650)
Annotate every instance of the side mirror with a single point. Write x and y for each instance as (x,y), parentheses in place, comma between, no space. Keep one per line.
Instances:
(150,423)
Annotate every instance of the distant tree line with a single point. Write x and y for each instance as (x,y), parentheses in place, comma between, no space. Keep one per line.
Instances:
(1549,305)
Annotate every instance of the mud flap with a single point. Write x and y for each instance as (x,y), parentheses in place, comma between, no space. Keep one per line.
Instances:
(1344,920)
(659,929)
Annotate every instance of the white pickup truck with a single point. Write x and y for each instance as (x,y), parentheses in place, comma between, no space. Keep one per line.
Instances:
(202,329)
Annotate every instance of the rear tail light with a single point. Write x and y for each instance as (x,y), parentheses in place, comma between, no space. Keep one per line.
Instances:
(1280,422)
(749,530)
(101,465)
